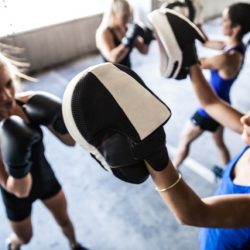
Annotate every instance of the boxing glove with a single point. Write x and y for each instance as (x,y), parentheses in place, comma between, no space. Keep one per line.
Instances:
(190,58)
(45,109)
(133,31)
(120,151)
(147,35)
(191,9)
(17,139)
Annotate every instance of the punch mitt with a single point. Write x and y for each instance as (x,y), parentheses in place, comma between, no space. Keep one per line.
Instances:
(184,7)
(176,37)
(111,113)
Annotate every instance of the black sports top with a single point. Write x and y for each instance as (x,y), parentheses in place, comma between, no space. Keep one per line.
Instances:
(126,60)
(41,171)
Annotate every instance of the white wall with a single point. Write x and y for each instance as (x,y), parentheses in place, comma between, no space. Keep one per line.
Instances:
(56,44)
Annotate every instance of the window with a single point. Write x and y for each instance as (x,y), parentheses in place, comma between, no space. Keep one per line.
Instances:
(22,15)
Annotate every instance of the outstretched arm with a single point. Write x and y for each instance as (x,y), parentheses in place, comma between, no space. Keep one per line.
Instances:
(217,108)
(228,211)
(141,46)
(45,109)
(65,138)
(215,62)
(214,44)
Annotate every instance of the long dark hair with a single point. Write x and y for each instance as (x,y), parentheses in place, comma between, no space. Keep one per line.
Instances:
(239,14)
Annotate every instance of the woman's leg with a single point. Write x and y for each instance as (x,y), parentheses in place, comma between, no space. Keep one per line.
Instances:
(189,134)
(58,207)
(219,142)
(22,233)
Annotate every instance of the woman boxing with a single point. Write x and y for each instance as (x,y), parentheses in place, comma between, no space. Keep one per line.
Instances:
(126,132)
(25,174)
(224,70)
(116,36)
(225,215)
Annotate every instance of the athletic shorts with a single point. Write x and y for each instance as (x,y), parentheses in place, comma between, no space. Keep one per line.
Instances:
(18,209)
(205,123)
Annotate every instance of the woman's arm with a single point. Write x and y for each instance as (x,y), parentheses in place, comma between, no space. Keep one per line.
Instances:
(104,42)
(65,138)
(215,62)
(42,108)
(228,211)
(213,44)
(217,108)
(229,62)
(141,46)
(19,187)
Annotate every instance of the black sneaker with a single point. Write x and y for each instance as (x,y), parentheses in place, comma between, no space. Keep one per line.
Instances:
(79,247)
(8,244)
(218,171)
(8,247)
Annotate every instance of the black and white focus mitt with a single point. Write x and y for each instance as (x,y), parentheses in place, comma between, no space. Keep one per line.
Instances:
(111,113)
(176,37)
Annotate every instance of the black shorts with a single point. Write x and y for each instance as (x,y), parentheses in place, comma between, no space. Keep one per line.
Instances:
(18,209)
(204,123)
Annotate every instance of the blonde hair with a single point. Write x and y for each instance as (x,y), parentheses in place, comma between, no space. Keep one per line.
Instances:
(15,65)
(107,19)
(113,7)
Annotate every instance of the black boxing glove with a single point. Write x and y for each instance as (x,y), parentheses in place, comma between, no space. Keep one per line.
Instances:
(191,9)
(129,39)
(120,150)
(147,35)
(190,58)
(45,109)
(17,139)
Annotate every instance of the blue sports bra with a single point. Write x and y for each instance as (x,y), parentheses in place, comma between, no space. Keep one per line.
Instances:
(222,86)
(227,238)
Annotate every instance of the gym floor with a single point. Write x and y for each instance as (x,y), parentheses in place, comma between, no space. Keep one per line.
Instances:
(112,215)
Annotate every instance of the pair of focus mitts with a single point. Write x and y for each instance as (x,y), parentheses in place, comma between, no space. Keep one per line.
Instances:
(111,113)
(176,37)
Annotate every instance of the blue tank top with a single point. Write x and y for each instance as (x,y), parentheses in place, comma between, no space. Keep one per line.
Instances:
(222,86)
(227,239)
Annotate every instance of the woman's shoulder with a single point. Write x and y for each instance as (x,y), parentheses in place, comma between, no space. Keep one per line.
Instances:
(24,96)
(231,55)
(103,33)
(235,50)
(103,30)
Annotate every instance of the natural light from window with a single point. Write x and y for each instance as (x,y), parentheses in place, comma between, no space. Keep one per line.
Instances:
(20,15)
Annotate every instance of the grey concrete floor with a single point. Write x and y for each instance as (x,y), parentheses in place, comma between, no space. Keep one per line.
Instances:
(107,213)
